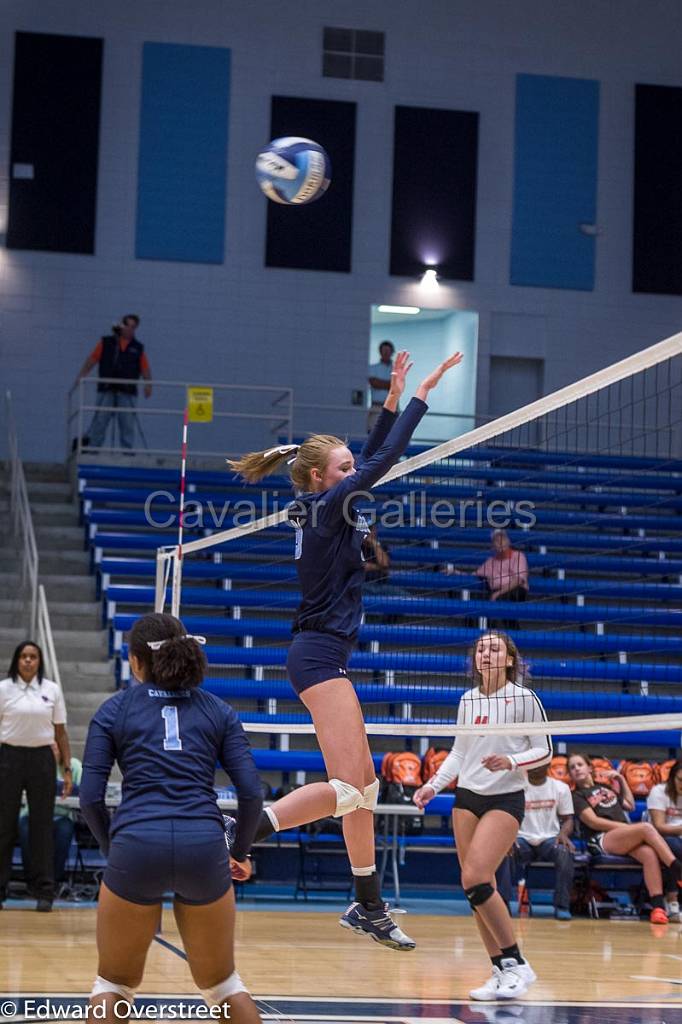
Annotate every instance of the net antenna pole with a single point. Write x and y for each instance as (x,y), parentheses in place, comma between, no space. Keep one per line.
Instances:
(177,561)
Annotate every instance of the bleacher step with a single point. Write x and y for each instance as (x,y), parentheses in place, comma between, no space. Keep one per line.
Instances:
(59,536)
(63,614)
(57,587)
(77,735)
(46,472)
(42,491)
(80,677)
(80,644)
(49,491)
(56,513)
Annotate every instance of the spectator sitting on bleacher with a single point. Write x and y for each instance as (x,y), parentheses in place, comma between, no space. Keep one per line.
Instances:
(664,805)
(506,571)
(505,574)
(545,834)
(602,810)
(62,822)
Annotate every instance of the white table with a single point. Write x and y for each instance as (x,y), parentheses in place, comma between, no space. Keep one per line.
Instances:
(390,813)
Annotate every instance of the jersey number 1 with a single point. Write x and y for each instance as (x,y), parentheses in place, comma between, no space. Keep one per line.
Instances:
(171,740)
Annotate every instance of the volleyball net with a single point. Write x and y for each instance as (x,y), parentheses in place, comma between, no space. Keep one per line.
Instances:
(559,524)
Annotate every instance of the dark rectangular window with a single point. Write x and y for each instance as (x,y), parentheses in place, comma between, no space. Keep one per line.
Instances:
(657,222)
(353,53)
(337,65)
(55,142)
(433,219)
(317,235)
(369,43)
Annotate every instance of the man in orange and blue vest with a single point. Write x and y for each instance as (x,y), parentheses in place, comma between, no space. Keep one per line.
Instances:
(120,357)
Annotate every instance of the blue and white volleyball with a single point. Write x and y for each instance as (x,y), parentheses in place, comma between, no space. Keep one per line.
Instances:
(293,171)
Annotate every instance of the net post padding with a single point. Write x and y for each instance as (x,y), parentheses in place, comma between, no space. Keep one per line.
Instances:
(164,559)
(565,727)
(644,360)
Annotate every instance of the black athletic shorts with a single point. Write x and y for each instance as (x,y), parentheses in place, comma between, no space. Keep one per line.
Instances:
(315,657)
(512,803)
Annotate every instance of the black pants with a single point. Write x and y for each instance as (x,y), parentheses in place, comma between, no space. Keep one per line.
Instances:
(31,769)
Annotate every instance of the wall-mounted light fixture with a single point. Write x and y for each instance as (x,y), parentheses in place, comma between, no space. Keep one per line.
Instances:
(429,277)
(408,310)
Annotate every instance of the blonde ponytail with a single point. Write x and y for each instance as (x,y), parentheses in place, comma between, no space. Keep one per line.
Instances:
(301,459)
(256,465)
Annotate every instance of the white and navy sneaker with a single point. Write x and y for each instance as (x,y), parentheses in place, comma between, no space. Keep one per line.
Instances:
(230,831)
(378,924)
(488,990)
(515,979)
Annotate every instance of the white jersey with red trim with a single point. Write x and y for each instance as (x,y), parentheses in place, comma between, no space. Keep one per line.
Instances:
(509,705)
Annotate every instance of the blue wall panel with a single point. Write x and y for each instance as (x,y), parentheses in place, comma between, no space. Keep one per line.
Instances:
(183,153)
(555,181)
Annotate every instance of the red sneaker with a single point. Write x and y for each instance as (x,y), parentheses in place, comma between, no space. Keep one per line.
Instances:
(658,916)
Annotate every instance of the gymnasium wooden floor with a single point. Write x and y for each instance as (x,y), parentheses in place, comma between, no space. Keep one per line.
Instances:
(303,967)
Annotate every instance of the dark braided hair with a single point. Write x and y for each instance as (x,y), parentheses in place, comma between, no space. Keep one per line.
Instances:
(179,664)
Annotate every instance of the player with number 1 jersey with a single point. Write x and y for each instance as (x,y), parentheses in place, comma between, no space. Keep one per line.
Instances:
(168,834)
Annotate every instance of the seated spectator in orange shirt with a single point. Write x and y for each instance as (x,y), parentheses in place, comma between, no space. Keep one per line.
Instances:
(122,357)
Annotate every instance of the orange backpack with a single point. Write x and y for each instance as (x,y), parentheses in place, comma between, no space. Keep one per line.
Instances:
(663,770)
(404,767)
(601,769)
(433,759)
(639,775)
(558,769)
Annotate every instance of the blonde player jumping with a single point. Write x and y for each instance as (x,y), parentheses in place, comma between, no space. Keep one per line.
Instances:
(329,559)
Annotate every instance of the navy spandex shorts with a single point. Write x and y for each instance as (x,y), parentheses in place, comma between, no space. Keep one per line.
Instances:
(315,657)
(186,859)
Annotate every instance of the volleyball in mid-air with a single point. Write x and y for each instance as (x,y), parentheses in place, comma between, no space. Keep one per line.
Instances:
(293,171)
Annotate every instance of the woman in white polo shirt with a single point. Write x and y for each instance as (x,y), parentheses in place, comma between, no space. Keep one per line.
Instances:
(664,805)
(32,716)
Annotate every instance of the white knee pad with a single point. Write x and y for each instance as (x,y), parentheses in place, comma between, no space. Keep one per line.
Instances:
(101,986)
(370,796)
(221,993)
(348,798)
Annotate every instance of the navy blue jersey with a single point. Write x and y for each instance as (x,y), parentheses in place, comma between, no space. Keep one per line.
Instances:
(167,743)
(330,531)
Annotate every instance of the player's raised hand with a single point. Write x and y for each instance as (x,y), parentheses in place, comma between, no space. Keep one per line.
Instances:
(430,382)
(401,368)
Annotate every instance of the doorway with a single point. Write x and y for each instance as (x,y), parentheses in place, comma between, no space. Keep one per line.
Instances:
(430,335)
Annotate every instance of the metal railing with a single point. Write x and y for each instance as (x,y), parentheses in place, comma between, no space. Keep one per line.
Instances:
(243,422)
(45,638)
(22,524)
(351,421)
(35,613)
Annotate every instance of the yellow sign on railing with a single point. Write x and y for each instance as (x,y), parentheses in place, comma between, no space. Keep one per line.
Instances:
(200,405)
